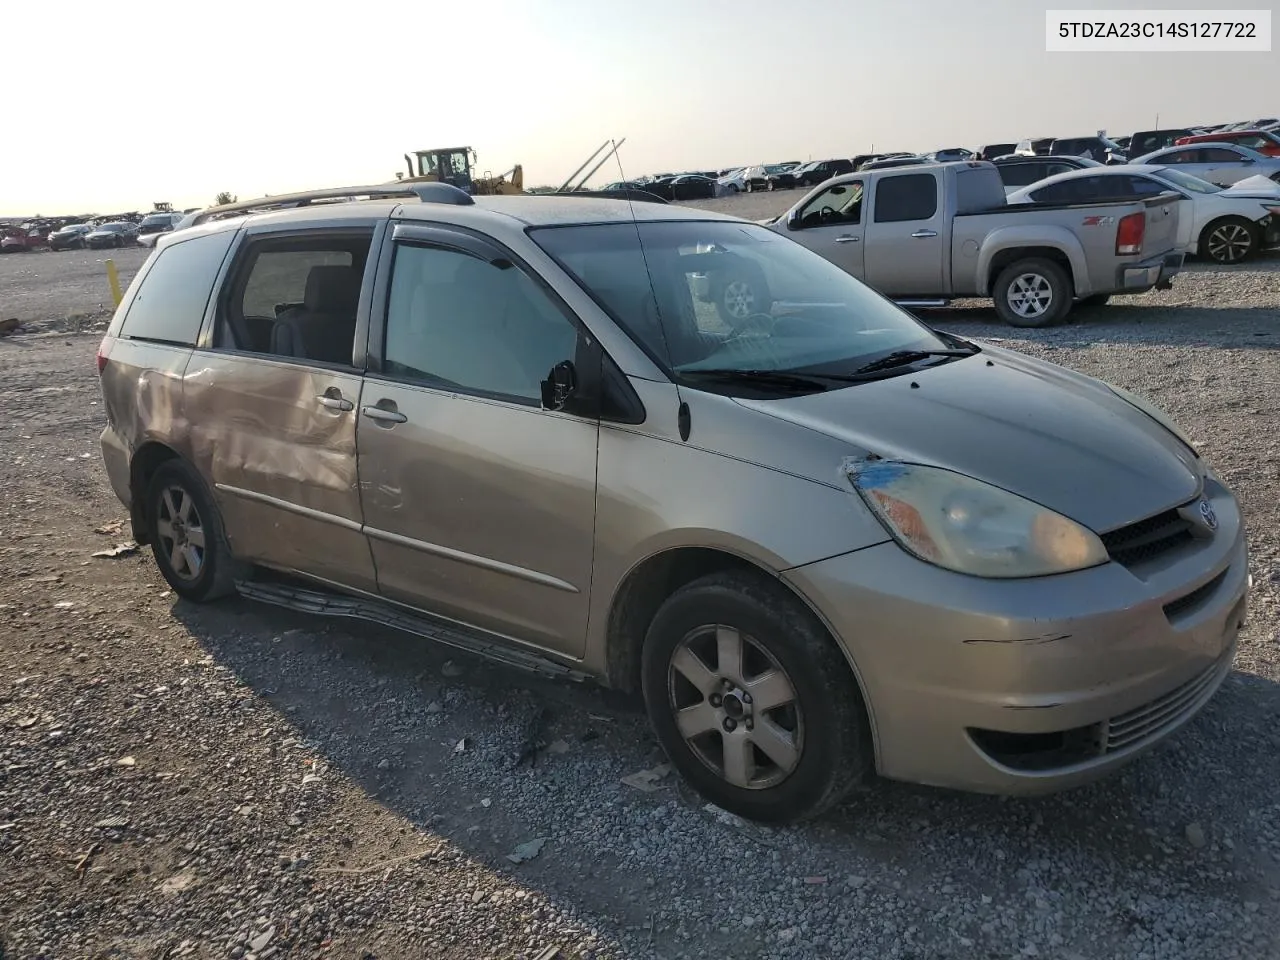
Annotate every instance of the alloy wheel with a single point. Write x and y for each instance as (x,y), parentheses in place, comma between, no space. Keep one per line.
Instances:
(181,533)
(1229,243)
(1030,295)
(736,707)
(739,299)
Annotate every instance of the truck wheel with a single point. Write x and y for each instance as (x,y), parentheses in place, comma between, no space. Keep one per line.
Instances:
(1032,293)
(187,538)
(752,700)
(1230,240)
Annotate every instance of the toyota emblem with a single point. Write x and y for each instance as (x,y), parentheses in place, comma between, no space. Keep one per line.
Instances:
(1207,515)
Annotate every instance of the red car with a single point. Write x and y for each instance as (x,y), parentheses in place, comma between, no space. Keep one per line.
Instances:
(1259,140)
(25,237)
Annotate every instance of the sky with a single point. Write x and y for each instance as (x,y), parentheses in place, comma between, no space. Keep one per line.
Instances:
(110,106)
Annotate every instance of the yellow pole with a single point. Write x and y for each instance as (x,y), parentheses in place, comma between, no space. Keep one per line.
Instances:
(114,279)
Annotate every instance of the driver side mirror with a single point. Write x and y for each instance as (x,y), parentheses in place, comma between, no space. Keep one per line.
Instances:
(793,220)
(559,386)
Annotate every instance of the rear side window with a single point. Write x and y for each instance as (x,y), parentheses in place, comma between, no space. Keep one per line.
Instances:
(1021,174)
(912,196)
(170,303)
(1219,155)
(296,298)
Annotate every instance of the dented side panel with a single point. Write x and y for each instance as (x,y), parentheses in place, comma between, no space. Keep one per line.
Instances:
(281,462)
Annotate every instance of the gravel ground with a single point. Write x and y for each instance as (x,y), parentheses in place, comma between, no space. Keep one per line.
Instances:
(236,781)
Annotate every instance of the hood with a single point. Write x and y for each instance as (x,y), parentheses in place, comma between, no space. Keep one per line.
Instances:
(1035,429)
(1255,187)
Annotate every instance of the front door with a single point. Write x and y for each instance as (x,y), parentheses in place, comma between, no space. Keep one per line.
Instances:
(479,504)
(831,225)
(272,397)
(905,243)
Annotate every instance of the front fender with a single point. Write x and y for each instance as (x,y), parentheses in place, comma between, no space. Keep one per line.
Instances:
(1030,237)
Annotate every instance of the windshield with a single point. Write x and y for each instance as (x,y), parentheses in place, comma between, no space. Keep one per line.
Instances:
(112,227)
(729,296)
(1187,182)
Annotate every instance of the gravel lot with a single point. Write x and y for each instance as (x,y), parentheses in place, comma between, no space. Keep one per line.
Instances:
(236,781)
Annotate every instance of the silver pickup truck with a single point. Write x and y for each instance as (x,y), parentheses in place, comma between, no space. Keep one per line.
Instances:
(927,235)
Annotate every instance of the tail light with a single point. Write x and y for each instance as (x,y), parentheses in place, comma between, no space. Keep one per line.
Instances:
(1130,232)
(104,353)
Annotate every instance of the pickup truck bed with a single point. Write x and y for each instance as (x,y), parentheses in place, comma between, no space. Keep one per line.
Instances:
(927,235)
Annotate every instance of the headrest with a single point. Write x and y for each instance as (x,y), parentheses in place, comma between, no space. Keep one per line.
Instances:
(332,289)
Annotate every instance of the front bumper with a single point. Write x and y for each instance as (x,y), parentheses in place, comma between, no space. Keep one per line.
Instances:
(1156,272)
(1031,686)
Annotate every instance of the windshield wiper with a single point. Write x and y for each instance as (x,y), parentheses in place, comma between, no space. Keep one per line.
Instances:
(772,378)
(901,358)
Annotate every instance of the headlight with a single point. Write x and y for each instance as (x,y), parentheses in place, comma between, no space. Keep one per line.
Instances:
(1155,413)
(969,526)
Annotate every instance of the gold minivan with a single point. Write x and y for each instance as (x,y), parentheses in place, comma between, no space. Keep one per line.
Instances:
(821,538)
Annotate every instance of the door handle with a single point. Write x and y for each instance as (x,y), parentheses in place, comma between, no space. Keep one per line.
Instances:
(383,415)
(847,238)
(335,403)
(919,234)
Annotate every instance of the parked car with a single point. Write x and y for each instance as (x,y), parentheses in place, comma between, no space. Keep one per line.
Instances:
(116,233)
(155,225)
(733,181)
(1148,141)
(24,238)
(1220,163)
(1258,140)
(949,154)
(1095,148)
(819,171)
(684,187)
(828,542)
(70,237)
(1017,172)
(944,231)
(769,176)
(1034,147)
(1224,225)
(993,150)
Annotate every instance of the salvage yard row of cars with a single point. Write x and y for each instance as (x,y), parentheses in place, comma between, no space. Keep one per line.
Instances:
(822,548)
(88,233)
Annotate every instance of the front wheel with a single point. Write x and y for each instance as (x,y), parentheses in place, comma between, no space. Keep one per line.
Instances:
(1229,241)
(187,538)
(1032,293)
(752,700)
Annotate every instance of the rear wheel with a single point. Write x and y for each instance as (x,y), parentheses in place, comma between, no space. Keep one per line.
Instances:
(752,700)
(187,537)
(1032,293)
(1230,240)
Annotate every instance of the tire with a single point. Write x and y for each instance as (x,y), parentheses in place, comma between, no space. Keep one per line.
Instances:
(1097,300)
(1229,241)
(176,490)
(774,634)
(739,293)
(1046,280)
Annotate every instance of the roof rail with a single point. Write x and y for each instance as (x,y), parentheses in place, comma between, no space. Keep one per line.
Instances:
(426,192)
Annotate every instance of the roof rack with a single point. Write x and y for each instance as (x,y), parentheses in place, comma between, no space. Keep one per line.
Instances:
(426,192)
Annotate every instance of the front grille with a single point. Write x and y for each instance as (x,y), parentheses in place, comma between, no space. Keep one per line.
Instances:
(1165,711)
(1148,539)
(1188,602)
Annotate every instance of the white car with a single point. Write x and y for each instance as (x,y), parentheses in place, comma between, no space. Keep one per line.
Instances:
(732,182)
(1223,225)
(155,225)
(1220,163)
